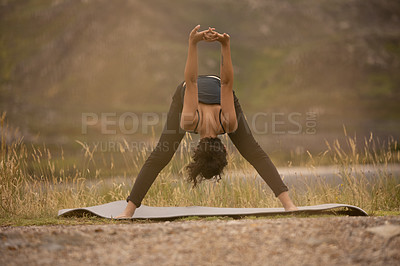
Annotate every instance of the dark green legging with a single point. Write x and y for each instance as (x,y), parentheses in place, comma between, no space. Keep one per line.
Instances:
(172,135)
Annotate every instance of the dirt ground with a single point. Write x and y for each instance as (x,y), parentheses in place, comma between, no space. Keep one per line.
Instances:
(288,241)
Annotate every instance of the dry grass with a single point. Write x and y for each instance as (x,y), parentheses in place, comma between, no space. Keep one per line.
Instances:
(33,184)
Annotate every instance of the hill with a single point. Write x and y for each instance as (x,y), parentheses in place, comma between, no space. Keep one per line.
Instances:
(337,58)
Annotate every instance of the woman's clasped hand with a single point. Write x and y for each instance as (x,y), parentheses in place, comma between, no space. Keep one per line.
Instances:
(209,35)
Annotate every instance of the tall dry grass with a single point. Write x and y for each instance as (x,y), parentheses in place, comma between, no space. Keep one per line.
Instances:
(33,184)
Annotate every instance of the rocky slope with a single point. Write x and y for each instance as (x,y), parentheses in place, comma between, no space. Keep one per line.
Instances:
(60,58)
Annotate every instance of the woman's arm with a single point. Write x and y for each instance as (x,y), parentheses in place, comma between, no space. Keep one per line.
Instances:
(227,102)
(190,101)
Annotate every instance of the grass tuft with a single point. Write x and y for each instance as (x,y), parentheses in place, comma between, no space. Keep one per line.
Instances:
(34,185)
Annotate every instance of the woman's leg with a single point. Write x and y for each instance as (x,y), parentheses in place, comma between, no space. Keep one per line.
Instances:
(161,155)
(254,154)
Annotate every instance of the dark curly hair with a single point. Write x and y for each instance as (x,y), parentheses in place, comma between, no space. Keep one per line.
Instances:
(209,159)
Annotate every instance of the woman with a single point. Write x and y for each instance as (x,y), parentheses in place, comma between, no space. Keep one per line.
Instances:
(197,108)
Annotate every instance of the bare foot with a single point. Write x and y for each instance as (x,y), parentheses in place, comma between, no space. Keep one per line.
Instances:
(128,212)
(287,202)
(292,208)
(122,216)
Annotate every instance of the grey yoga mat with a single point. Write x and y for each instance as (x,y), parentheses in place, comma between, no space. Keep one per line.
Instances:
(113,209)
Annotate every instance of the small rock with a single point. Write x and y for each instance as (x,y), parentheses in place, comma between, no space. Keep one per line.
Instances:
(385,231)
(14,244)
(12,248)
(52,246)
(314,241)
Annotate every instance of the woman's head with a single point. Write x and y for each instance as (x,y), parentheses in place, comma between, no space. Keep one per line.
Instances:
(209,159)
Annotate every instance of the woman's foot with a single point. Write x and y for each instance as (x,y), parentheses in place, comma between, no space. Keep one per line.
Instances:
(128,212)
(287,202)
(291,208)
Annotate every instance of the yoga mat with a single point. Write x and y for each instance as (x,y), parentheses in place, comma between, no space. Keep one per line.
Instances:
(115,208)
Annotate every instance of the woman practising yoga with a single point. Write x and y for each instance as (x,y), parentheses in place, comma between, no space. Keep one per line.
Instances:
(206,105)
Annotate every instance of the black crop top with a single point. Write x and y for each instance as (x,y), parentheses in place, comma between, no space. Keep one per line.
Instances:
(208,89)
